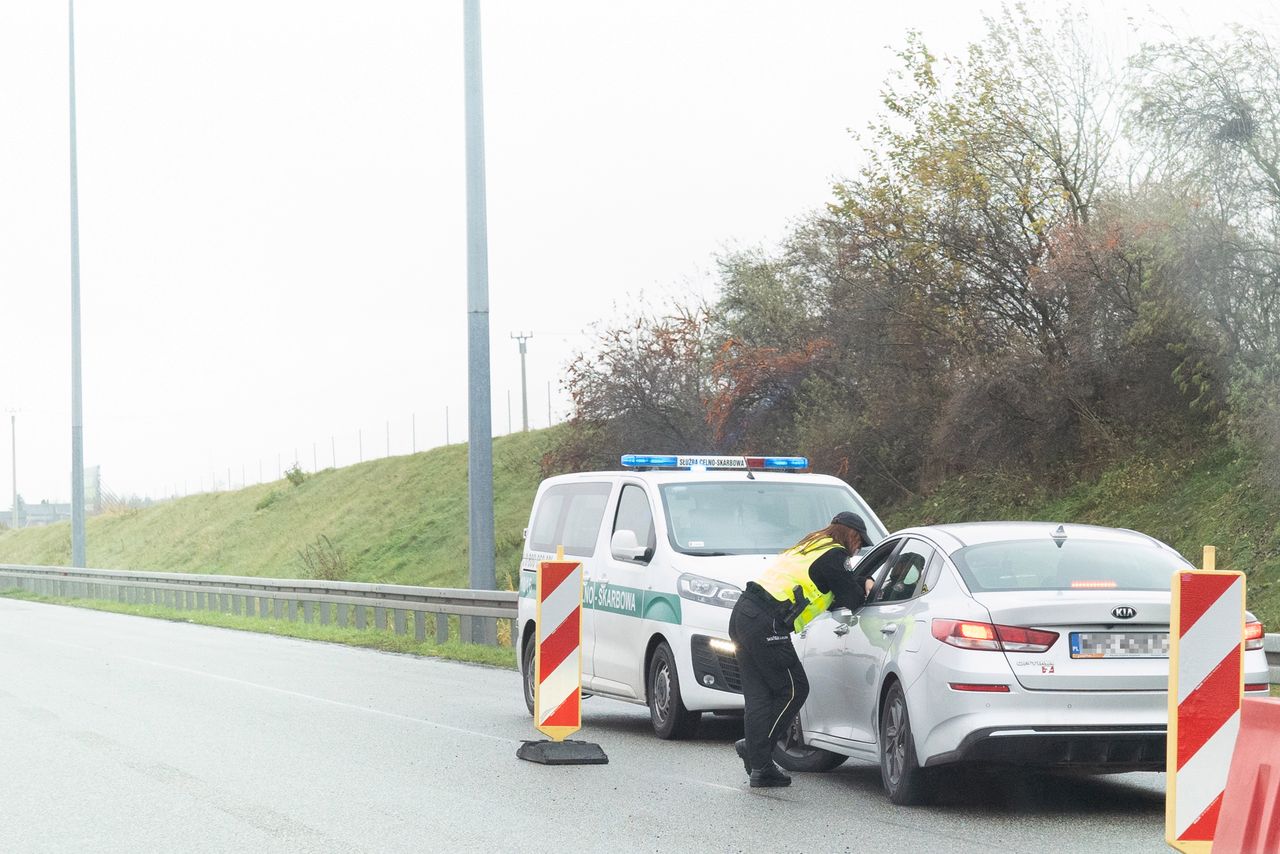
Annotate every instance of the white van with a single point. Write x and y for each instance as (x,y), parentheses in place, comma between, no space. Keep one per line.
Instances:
(667,547)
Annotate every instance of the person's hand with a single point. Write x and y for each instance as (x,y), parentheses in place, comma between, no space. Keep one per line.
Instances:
(871,582)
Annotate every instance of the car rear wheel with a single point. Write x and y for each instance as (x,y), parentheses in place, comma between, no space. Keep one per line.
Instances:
(526,668)
(904,780)
(667,711)
(794,755)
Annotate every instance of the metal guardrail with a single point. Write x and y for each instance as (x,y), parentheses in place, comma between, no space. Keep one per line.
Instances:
(340,603)
(1271,643)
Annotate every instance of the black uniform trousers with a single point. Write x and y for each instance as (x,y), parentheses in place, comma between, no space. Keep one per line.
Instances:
(774,686)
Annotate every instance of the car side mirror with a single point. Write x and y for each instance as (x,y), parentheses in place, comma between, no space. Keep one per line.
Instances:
(625,546)
(844,616)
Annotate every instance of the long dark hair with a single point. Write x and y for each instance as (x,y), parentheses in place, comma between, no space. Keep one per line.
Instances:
(850,539)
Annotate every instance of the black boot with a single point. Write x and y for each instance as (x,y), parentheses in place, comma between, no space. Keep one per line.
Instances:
(741,746)
(769,777)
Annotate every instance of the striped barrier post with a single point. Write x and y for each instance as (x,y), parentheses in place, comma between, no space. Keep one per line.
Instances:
(557,691)
(1206,688)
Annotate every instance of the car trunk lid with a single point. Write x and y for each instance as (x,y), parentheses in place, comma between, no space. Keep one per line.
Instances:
(1120,638)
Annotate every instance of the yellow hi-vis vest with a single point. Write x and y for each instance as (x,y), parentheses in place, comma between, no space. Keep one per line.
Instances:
(792,568)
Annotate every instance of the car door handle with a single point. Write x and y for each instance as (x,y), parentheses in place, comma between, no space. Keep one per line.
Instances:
(891,629)
(841,629)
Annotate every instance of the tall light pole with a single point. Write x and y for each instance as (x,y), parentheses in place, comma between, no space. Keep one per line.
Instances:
(522,337)
(481,550)
(77,414)
(13,430)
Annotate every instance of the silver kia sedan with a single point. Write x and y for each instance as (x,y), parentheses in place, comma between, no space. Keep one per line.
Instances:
(997,642)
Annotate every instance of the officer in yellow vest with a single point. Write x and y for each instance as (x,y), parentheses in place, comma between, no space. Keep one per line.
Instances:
(774,686)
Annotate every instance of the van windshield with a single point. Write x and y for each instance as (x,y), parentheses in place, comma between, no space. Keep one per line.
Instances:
(753,517)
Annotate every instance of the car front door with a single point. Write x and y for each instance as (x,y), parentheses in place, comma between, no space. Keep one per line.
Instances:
(617,594)
(825,652)
(883,624)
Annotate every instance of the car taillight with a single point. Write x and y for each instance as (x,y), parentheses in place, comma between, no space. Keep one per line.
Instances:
(967,634)
(1253,633)
(982,687)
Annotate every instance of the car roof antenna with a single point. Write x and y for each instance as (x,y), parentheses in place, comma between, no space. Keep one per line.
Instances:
(1060,536)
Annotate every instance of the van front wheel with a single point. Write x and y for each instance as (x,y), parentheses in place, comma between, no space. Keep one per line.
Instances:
(670,718)
(526,670)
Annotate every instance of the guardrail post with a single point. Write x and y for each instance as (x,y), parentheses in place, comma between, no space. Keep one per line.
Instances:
(342,608)
(419,626)
(442,627)
(324,613)
(360,616)
(398,616)
(379,618)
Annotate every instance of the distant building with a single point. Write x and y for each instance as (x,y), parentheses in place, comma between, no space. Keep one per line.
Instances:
(45,513)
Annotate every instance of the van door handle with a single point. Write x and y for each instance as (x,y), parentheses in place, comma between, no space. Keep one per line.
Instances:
(891,629)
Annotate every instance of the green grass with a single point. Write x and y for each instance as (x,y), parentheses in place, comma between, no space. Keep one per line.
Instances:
(369,638)
(1187,500)
(400,520)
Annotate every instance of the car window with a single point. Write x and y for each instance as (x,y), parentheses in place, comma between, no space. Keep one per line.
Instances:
(874,563)
(634,515)
(569,515)
(1070,564)
(903,577)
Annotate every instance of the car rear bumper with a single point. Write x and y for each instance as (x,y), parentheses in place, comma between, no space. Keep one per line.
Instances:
(1113,749)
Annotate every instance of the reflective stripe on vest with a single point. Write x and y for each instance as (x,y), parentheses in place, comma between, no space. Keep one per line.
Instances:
(792,568)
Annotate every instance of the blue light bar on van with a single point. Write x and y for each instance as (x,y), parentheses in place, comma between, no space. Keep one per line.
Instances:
(673,461)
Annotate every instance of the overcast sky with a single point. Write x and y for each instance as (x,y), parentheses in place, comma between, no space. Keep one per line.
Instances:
(272,203)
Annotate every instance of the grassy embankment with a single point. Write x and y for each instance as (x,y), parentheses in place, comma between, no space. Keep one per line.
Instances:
(403,519)
(1188,501)
(400,520)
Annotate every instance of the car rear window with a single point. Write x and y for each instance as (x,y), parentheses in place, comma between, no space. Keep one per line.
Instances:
(1072,565)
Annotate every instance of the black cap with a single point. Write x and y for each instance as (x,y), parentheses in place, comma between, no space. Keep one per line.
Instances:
(853,520)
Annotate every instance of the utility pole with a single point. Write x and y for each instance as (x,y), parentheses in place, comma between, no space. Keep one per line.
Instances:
(481,551)
(13,429)
(522,337)
(77,411)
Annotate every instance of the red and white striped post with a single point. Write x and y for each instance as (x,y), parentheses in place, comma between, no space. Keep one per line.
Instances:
(557,669)
(1206,688)
(557,707)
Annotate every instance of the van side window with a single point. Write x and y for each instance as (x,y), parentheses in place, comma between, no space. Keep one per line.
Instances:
(569,515)
(634,515)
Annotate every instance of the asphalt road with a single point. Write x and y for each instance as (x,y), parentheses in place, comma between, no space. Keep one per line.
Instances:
(124,734)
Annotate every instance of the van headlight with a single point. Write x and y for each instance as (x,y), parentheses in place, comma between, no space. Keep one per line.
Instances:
(707,590)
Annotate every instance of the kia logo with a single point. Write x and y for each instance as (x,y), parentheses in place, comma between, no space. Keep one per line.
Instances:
(1124,612)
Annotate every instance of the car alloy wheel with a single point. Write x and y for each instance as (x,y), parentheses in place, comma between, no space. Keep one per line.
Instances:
(793,754)
(904,780)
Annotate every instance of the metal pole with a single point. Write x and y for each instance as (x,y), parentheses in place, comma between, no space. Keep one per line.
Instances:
(480,423)
(77,412)
(13,429)
(524,387)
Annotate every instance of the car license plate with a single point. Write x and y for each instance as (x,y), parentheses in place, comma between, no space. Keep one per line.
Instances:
(1119,644)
